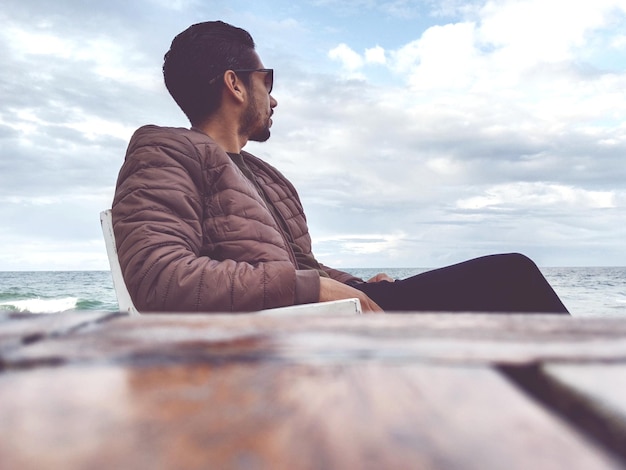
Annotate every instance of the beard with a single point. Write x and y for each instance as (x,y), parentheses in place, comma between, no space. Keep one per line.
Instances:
(253,126)
(262,135)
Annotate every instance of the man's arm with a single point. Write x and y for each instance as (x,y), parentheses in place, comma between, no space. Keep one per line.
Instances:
(335,290)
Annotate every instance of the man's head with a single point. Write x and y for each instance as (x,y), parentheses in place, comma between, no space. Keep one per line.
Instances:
(196,61)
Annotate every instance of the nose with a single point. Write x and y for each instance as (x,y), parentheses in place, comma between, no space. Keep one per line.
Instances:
(273,102)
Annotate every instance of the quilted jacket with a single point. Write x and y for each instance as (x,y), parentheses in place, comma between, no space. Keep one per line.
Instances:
(193,234)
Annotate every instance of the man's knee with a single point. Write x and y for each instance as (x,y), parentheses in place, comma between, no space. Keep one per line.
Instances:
(519,263)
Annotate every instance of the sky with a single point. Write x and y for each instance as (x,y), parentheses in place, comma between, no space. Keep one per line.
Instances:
(418,133)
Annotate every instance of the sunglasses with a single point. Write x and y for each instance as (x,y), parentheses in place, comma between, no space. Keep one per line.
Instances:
(269,76)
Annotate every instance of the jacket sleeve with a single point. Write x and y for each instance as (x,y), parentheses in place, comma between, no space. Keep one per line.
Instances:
(158,212)
(341,276)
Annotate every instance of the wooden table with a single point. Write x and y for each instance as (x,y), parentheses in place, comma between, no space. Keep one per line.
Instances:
(405,391)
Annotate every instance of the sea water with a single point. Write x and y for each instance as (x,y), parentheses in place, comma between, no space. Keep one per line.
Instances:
(584,291)
(56,291)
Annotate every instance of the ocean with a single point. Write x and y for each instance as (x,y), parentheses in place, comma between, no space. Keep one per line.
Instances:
(597,291)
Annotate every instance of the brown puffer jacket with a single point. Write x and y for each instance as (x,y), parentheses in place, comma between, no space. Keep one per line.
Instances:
(194,235)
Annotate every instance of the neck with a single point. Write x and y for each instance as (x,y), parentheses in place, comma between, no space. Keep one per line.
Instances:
(224,133)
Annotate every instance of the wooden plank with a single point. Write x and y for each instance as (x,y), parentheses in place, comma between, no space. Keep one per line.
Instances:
(603,384)
(443,338)
(593,397)
(18,329)
(280,416)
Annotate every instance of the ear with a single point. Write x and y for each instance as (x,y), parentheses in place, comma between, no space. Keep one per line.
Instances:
(233,86)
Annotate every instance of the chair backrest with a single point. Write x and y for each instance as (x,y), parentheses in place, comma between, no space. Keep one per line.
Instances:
(125,303)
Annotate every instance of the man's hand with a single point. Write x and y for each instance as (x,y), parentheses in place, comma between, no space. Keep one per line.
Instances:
(381,277)
(335,290)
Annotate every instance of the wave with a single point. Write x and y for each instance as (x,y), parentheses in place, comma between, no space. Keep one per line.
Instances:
(38,305)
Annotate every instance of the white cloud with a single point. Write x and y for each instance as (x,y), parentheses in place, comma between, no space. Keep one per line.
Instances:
(352,62)
(444,57)
(539,194)
(38,43)
(349,59)
(508,44)
(618,42)
(31,253)
(535,31)
(106,57)
(366,243)
(375,55)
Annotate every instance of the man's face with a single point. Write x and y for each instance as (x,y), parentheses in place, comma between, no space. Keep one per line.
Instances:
(256,119)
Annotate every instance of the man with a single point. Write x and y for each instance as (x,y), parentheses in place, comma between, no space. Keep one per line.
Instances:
(202,225)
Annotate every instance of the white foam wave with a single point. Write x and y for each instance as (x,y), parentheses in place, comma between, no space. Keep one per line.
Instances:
(41,305)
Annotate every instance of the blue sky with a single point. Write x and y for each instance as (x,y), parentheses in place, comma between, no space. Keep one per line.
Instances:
(419,133)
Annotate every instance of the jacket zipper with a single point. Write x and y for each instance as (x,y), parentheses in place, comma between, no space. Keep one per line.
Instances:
(275,213)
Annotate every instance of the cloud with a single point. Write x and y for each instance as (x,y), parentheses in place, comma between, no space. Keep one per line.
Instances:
(352,61)
(488,128)
(530,32)
(539,194)
(477,124)
(366,244)
(375,55)
(349,59)
(503,44)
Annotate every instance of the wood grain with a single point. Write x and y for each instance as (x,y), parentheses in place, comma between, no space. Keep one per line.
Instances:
(280,416)
(396,391)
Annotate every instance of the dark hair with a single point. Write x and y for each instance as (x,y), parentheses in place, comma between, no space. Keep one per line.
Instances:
(200,54)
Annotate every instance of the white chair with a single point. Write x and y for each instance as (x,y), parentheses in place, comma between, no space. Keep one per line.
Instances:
(125,303)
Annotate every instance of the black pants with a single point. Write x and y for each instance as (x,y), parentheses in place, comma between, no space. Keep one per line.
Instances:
(496,283)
